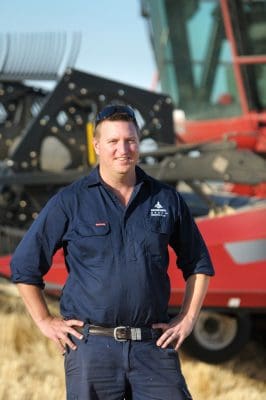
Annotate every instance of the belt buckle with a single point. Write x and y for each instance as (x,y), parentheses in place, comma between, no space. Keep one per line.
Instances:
(115,333)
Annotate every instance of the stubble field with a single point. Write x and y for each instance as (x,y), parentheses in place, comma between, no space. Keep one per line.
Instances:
(32,369)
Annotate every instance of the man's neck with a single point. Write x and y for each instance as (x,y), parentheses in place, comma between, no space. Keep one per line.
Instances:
(119,181)
(121,185)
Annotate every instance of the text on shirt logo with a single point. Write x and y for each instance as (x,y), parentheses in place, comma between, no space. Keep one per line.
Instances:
(158,210)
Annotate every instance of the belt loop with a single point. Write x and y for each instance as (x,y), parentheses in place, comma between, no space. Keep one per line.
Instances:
(86,330)
(135,333)
(156,333)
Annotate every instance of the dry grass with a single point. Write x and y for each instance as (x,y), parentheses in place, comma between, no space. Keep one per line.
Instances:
(32,369)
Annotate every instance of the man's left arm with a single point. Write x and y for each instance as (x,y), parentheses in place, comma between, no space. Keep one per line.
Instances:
(181,326)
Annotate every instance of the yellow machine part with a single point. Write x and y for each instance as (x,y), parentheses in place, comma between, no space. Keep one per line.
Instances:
(91,156)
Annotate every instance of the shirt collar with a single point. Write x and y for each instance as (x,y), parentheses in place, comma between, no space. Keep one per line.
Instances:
(94,178)
(141,175)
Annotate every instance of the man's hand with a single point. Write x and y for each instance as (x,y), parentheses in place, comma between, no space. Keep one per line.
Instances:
(54,328)
(57,329)
(180,327)
(175,332)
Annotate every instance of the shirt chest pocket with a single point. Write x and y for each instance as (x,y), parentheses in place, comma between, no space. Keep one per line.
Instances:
(158,232)
(93,241)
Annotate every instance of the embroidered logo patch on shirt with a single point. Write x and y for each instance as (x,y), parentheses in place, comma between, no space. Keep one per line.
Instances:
(158,210)
(100,224)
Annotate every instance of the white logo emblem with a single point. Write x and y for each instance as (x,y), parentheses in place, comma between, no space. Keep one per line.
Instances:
(158,210)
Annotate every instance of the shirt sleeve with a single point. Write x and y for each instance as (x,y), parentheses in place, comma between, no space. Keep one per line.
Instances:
(32,258)
(192,254)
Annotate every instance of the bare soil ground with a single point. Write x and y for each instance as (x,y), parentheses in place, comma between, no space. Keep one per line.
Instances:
(32,369)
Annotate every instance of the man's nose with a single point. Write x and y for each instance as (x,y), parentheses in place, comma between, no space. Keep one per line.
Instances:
(123,146)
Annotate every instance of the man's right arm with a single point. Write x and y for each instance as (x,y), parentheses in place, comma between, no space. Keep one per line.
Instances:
(55,328)
(31,261)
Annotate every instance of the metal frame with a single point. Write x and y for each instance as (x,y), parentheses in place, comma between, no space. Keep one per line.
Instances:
(237,59)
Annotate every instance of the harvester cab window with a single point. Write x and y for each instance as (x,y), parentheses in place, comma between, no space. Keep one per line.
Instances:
(194,58)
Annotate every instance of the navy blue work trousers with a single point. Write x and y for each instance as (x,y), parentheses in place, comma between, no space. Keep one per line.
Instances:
(104,369)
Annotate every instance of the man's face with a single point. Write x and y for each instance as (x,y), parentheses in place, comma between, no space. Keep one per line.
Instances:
(117,146)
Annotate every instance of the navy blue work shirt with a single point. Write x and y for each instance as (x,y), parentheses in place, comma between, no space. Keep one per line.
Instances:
(116,256)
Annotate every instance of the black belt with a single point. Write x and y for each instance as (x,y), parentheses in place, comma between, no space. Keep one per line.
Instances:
(122,333)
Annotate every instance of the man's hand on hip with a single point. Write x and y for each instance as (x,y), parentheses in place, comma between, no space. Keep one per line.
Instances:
(175,332)
(58,330)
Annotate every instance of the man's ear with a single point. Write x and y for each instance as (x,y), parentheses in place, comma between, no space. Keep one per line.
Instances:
(96,145)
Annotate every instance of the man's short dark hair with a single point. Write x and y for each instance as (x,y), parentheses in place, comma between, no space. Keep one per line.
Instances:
(116,113)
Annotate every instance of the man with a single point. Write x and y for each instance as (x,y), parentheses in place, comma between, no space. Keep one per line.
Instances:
(115,226)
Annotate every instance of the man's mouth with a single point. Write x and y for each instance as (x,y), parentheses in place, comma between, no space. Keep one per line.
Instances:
(123,158)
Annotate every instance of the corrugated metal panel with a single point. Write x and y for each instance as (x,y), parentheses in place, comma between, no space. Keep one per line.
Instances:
(36,56)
